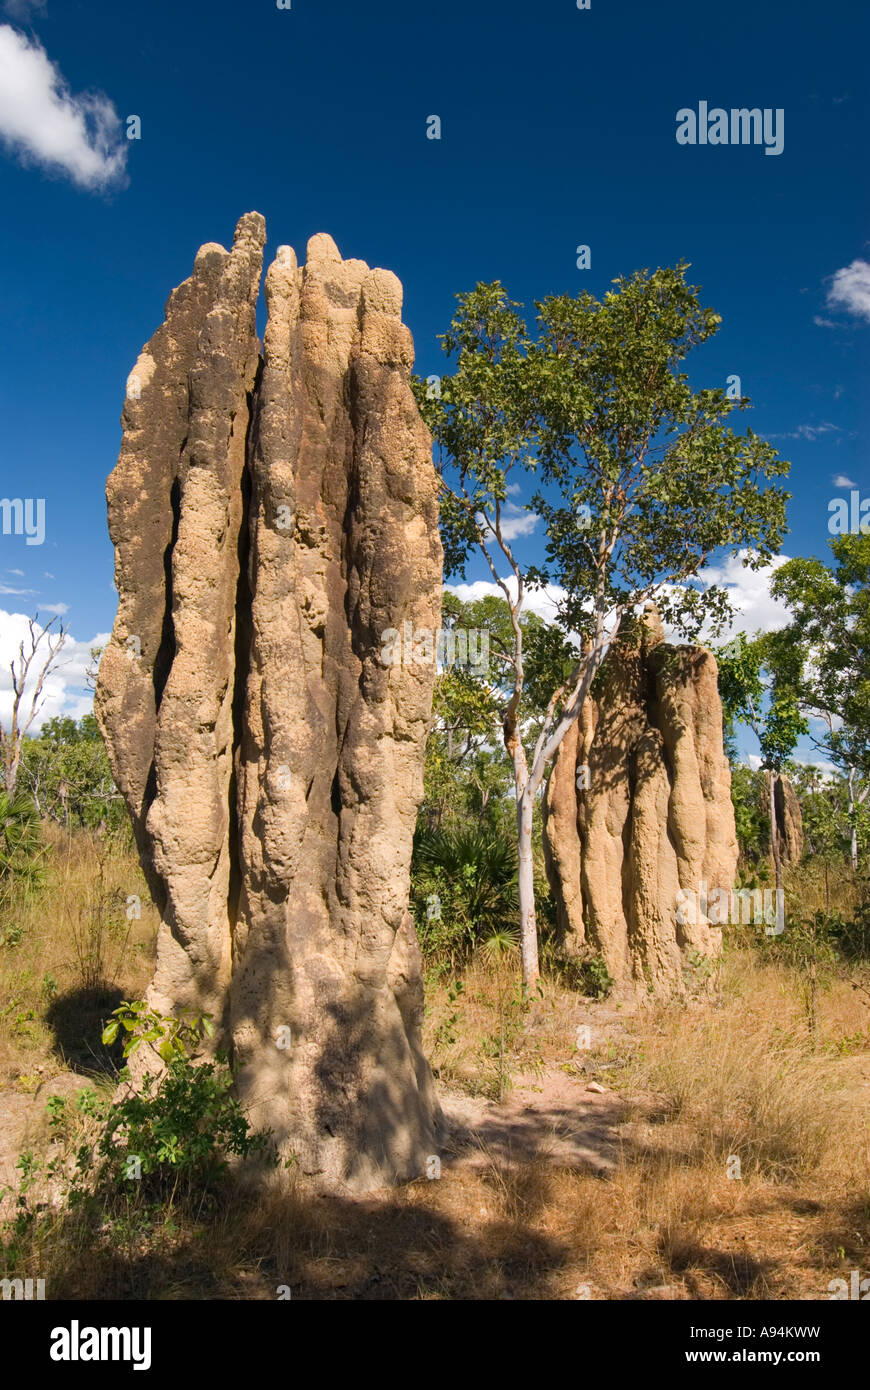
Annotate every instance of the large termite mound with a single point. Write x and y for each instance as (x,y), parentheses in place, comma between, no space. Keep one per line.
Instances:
(273,513)
(789,818)
(639,825)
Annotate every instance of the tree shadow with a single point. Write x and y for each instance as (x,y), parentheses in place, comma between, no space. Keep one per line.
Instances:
(327,1248)
(740,1273)
(77,1019)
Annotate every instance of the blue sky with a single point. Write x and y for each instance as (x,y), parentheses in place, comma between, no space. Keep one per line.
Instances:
(558,129)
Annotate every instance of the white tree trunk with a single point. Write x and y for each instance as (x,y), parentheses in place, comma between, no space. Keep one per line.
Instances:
(528,921)
(853,846)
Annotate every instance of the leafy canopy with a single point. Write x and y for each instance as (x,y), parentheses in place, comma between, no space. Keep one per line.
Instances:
(640,479)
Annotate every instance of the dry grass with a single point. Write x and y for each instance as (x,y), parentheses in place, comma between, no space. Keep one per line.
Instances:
(658,1227)
(699,1084)
(76,954)
(742,1078)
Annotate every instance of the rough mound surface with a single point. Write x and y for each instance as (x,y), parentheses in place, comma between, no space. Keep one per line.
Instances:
(789,819)
(273,515)
(638,822)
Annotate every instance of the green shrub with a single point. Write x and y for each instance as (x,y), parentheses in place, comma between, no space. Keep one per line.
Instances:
(463,890)
(21,853)
(177,1134)
(586,974)
(168,1143)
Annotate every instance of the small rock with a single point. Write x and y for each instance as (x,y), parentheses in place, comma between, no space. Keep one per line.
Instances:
(594,1086)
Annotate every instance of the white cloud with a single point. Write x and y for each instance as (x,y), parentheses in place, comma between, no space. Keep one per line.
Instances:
(57,608)
(842,481)
(850,289)
(749,595)
(23,10)
(515,521)
(44,124)
(810,432)
(19,593)
(65,689)
(544,602)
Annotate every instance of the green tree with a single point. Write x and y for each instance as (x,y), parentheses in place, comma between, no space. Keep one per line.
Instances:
(467,771)
(21,847)
(66,770)
(750,820)
(758,683)
(826,823)
(830,641)
(463,769)
(464,886)
(639,483)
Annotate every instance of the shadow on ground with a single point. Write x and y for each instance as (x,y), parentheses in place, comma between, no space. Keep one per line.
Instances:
(77,1019)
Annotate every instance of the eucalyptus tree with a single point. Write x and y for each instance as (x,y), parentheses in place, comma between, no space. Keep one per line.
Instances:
(830,639)
(759,685)
(37,657)
(638,482)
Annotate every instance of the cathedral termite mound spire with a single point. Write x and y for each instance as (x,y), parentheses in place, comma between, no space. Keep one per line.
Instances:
(273,514)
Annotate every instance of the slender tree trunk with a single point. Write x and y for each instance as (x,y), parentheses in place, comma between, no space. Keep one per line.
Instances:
(528,922)
(526,785)
(853,821)
(11,772)
(501,1087)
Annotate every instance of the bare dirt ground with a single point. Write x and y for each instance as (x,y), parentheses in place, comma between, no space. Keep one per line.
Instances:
(564,1114)
(557,1120)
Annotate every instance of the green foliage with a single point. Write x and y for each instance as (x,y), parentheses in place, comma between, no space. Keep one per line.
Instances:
(468,773)
(66,771)
(759,683)
(171,1037)
(644,480)
(21,856)
(751,816)
(170,1141)
(649,465)
(20,838)
(588,974)
(639,481)
(184,1127)
(599,981)
(468,876)
(830,642)
(445,1033)
(824,801)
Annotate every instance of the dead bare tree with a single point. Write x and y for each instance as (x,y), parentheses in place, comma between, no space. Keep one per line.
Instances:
(45,642)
